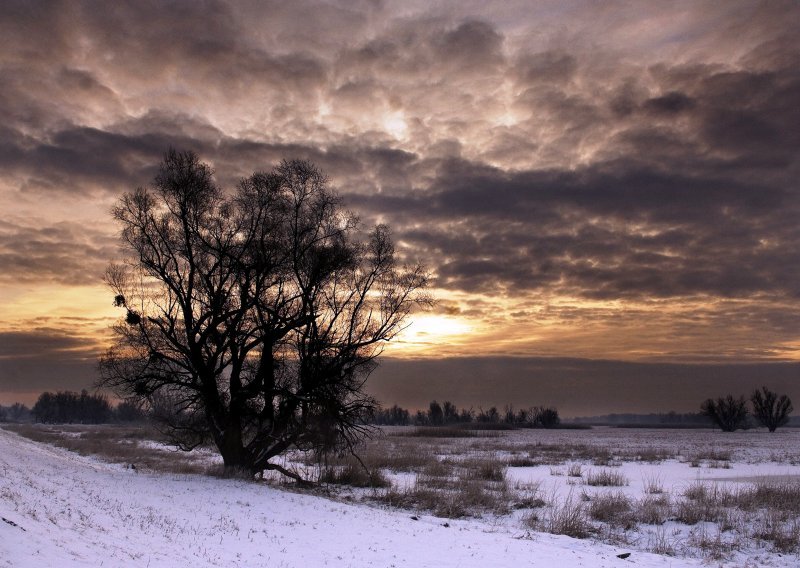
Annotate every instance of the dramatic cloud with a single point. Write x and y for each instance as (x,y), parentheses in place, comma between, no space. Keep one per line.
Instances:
(591,180)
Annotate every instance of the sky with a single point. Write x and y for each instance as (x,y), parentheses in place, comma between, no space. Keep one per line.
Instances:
(605,193)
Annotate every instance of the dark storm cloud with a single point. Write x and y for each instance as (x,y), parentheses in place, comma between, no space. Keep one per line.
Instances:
(45,359)
(43,342)
(700,155)
(630,232)
(64,253)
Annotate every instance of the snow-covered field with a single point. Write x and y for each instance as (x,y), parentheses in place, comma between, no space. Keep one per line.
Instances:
(61,509)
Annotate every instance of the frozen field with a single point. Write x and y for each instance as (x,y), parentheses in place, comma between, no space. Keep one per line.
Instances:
(62,509)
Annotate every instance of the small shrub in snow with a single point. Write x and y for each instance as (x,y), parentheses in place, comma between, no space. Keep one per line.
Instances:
(653,510)
(568,517)
(691,512)
(653,455)
(782,496)
(521,462)
(355,475)
(486,470)
(606,478)
(713,544)
(612,508)
(779,529)
(658,542)
(653,485)
(475,496)
(575,470)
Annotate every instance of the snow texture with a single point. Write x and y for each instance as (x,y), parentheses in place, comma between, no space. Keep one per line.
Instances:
(61,509)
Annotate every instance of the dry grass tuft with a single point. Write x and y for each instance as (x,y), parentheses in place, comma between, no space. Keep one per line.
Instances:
(606,478)
(569,517)
(653,485)
(575,470)
(353,474)
(780,529)
(485,469)
(615,509)
(653,510)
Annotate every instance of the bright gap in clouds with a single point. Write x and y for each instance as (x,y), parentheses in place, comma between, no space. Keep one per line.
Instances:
(395,124)
(432,329)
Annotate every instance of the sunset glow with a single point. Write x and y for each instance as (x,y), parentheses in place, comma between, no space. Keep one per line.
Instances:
(431,332)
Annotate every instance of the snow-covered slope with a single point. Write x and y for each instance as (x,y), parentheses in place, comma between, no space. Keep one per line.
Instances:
(75,511)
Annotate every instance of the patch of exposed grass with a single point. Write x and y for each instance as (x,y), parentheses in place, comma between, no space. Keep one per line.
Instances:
(447,432)
(123,444)
(648,455)
(711,454)
(521,462)
(776,527)
(485,469)
(778,496)
(451,498)
(353,474)
(557,454)
(713,544)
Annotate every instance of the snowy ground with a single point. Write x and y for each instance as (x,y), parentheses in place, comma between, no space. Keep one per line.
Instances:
(61,509)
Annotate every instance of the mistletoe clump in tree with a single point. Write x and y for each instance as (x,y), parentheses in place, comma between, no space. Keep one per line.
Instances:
(252,320)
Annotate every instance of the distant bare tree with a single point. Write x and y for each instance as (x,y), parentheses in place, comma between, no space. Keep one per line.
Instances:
(18,412)
(449,412)
(728,413)
(491,416)
(435,414)
(769,409)
(252,319)
(547,417)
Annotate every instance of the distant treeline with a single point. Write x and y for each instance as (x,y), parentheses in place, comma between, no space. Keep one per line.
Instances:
(689,419)
(448,413)
(66,407)
(17,412)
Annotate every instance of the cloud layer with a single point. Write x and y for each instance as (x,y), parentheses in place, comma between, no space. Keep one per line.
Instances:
(626,169)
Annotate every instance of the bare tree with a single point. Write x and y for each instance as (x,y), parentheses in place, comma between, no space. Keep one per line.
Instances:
(769,409)
(435,414)
(252,320)
(547,417)
(449,412)
(728,413)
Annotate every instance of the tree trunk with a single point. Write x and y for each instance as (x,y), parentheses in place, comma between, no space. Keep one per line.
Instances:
(235,457)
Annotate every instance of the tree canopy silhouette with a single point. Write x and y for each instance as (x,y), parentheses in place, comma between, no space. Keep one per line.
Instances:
(771,410)
(252,319)
(728,413)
